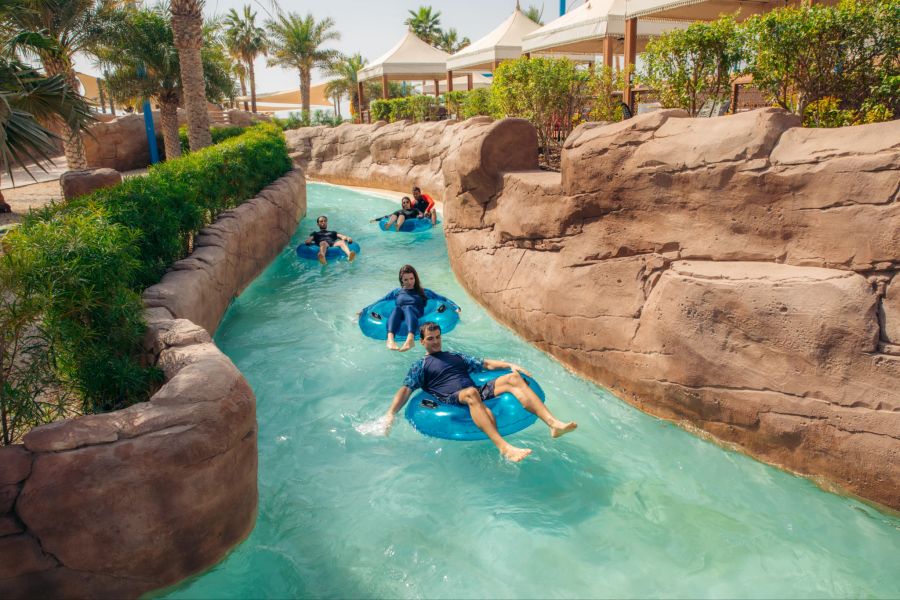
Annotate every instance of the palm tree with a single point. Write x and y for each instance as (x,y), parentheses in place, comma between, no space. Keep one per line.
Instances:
(535,14)
(295,42)
(187,27)
(448,42)
(344,70)
(144,62)
(74,26)
(26,96)
(246,41)
(425,24)
(240,71)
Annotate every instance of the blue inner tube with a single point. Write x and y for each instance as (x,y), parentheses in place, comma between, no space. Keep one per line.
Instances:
(373,320)
(409,225)
(334,253)
(451,422)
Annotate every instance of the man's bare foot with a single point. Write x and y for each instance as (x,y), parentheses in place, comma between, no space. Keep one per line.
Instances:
(513,454)
(406,345)
(563,428)
(322,258)
(352,256)
(392,345)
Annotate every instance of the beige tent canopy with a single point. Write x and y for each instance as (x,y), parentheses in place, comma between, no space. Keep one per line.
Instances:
(288,99)
(704,10)
(410,60)
(503,43)
(595,27)
(91,88)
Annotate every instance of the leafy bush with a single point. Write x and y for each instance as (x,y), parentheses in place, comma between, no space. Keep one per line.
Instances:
(422,107)
(827,112)
(400,109)
(546,91)
(380,110)
(686,67)
(802,54)
(454,102)
(73,272)
(607,106)
(294,120)
(478,103)
(219,134)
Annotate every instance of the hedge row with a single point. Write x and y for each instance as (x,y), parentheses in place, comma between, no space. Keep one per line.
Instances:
(219,134)
(84,264)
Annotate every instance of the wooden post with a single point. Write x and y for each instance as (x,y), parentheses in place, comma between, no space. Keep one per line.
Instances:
(449,81)
(469,82)
(437,88)
(608,51)
(630,58)
(360,100)
(735,91)
(385,87)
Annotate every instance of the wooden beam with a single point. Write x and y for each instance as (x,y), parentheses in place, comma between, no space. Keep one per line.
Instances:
(449,81)
(437,88)
(469,82)
(385,87)
(630,58)
(608,51)
(360,99)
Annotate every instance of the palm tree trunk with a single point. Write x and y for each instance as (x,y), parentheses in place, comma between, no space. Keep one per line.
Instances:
(252,85)
(244,91)
(4,207)
(73,145)
(187,29)
(305,82)
(168,115)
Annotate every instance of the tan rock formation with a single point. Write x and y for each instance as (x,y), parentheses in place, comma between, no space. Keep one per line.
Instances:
(79,183)
(118,504)
(735,273)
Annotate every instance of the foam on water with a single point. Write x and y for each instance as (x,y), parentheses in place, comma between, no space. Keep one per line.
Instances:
(627,506)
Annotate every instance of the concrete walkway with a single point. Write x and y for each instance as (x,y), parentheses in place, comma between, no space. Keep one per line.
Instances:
(21,177)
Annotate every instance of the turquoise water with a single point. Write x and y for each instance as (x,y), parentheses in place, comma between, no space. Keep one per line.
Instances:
(626,506)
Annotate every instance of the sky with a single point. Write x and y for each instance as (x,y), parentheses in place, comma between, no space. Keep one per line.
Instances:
(370,27)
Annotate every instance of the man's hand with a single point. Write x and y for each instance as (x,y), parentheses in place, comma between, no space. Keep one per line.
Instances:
(388,423)
(517,369)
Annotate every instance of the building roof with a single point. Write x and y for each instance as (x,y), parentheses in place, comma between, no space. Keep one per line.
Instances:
(704,10)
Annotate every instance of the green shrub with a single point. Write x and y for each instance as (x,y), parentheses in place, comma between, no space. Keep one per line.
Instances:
(478,103)
(77,269)
(422,107)
(454,102)
(380,110)
(219,134)
(827,112)
(294,120)
(401,109)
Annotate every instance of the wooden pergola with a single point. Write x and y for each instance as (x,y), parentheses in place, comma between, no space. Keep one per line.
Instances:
(410,60)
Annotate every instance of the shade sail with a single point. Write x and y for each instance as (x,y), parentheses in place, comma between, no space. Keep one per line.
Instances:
(704,10)
(410,59)
(91,90)
(291,98)
(503,43)
(583,30)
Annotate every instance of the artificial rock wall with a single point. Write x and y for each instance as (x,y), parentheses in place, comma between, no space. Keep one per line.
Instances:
(735,274)
(118,504)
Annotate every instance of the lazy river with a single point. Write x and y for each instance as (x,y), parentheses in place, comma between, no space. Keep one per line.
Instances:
(626,506)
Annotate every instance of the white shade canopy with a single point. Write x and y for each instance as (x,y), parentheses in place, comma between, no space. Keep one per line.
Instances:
(410,59)
(459,83)
(582,30)
(704,10)
(503,43)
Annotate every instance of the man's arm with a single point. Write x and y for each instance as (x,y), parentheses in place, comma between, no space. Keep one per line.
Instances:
(494,365)
(400,399)
(346,238)
(308,240)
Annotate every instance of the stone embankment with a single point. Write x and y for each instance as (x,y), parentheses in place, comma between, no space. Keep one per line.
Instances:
(118,504)
(737,275)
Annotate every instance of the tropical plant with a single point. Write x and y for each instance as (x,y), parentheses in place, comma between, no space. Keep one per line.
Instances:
(27,97)
(448,41)
(425,23)
(546,91)
(803,54)
(605,82)
(686,67)
(344,71)
(240,71)
(67,27)
(295,42)
(187,29)
(535,14)
(478,103)
(454,102)
(245,41)
(143,62)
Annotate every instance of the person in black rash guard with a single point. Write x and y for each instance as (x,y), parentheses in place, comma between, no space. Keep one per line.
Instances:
(398,217)
(325,239)
(445,375)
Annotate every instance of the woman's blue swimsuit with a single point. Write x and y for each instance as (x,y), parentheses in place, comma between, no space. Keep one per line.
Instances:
(410,306)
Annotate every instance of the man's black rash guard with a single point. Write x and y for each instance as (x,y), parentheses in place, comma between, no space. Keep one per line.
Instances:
(324,236)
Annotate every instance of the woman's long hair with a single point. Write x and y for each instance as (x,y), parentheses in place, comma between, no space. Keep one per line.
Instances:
(409,269)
